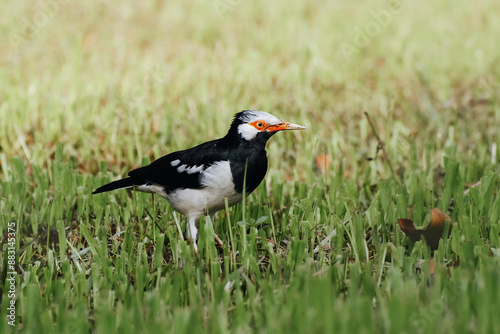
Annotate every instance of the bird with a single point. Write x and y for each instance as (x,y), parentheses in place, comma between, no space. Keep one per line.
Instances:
(198,181)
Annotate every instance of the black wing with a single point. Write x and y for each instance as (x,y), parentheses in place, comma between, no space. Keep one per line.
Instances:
(181,169)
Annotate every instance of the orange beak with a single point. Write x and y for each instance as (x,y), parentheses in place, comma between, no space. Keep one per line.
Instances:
(285,126)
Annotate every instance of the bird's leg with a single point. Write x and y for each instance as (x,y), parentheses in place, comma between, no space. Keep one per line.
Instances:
(218,240)
(192,232)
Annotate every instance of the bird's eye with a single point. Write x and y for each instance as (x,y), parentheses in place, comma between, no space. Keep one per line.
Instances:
(259,125)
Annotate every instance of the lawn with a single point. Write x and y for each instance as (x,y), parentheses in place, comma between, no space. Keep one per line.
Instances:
(91,90)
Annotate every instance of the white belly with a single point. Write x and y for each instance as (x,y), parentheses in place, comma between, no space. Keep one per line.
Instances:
(217,181)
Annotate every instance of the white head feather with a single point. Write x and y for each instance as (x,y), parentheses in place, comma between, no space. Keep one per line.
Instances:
(248,131)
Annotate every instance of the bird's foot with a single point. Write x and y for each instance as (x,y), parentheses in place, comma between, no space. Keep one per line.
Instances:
(218,241)
(195,245)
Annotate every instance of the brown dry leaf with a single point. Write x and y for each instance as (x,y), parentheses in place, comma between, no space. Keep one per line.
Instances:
(380,62)
(432,233)
(322,163)
(432,267)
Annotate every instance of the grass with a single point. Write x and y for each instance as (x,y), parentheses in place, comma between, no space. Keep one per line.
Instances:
(97,89)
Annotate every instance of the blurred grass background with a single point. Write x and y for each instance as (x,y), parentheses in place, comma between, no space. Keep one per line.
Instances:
(91,90)
(118,82)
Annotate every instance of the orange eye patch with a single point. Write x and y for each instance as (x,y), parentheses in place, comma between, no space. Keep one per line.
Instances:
(259,125)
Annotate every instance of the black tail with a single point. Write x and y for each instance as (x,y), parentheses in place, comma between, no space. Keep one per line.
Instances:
(119,184)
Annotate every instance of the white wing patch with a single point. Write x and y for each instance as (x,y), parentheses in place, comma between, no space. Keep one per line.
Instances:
(175,162)
(190,170)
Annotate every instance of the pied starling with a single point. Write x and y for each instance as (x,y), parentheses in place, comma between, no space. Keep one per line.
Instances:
(197,181)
